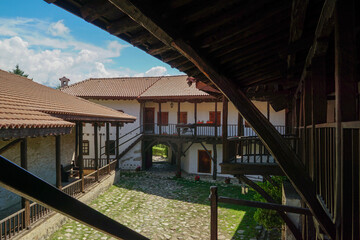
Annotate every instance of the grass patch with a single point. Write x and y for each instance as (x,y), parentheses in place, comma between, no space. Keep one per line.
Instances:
(176,207)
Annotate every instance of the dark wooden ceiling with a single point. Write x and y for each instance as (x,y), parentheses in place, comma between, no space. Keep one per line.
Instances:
(259,45)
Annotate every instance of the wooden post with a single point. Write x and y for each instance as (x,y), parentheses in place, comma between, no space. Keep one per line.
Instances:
(215,121)
(225,143)
(268,111)
(214,213)
(178,158)
(159,118)
(214,161)
(240,133)
(96,151)
(178,118)
(77,145)
(117,145)
(107,146)
(25,203)
(58,160)
(345,107)
(195,118)
(81,158)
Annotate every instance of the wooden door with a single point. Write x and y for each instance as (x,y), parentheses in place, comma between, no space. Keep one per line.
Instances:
(149,119)
(204,162)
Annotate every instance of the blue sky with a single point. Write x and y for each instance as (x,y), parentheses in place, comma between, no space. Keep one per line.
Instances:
(49,42)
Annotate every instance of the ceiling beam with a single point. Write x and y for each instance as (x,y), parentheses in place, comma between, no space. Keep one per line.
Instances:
(320,44)
(298,15)
(280,149)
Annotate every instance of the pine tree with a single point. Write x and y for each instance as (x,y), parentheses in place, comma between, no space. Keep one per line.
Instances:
(18,71)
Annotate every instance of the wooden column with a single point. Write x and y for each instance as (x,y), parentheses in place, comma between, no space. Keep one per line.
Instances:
(25,203)
(214,213)
(159,118)
(76,160)
(178,118)
(268,111)
(58,160)
(107,146)
(96,151)
(117,145)
(240,126)
(81,157)
(214,161)
(215,121)
(345,107)
(178,158)
(195,118)
(225,142)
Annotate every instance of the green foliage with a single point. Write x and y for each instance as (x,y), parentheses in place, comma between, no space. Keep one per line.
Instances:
(18,71)
(160,150)
(270,219)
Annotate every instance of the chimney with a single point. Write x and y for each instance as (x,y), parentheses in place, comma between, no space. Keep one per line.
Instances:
(64,81)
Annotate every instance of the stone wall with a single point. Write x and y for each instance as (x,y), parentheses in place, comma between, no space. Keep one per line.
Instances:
(41,162)
(132,159)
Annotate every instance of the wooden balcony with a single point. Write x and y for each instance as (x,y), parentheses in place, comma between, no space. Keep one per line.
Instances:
(249,156)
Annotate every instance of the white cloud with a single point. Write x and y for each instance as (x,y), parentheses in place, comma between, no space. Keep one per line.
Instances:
(59,29)
(153,72)
(48,53)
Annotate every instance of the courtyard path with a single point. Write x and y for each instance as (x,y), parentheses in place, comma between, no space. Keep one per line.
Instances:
(161,207)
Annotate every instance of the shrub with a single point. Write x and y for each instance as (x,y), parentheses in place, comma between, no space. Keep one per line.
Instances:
(160,150)
(197,178)
(270,219)
(227,180)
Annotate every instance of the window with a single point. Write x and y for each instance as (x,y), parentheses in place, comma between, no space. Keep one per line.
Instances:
(183,118)
(212,117)
(164,118)
(85,147)
(110,145)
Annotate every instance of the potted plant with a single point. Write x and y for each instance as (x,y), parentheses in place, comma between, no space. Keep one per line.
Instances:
(197,178)
(138,169)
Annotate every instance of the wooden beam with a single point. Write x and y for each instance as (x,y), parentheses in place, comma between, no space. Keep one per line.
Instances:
(117,144)
(159,118)
(214,213)
(298,14)
(324,28)
(215,121)
(27,185)
(96,150)
(279,148)
(195,118)
(58,161)
(25,203)
(225,143)
(215,162)
(266,205)
(81,156)
(10,145)
(345,110)
(107,146)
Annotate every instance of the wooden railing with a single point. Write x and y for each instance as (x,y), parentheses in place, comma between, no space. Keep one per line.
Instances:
(16,222)
(252,150)
(89,163)
(204,130)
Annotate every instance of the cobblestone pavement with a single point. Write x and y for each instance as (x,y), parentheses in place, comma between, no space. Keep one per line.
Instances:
(159,207)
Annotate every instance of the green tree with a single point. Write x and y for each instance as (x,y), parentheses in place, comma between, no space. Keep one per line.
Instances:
(18,71)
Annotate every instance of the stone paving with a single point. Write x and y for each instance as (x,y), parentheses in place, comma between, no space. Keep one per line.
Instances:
(159,207)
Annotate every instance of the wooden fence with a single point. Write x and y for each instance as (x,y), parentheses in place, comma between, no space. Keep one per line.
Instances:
(23,219)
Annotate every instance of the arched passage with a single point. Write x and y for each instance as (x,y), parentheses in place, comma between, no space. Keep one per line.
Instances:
(158,152)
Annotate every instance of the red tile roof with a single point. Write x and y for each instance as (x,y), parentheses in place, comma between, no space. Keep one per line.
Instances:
(168,87)
(173,87)
(27,104)
(119,88)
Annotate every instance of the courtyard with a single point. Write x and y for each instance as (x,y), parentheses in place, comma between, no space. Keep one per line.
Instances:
(160,206)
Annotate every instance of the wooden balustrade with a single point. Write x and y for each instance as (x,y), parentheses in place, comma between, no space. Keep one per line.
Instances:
(12,225)
(16,222)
